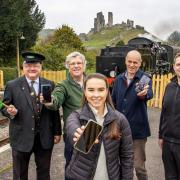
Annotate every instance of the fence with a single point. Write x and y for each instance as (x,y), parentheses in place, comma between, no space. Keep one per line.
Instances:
(159,83)
(55,76)
(1,80)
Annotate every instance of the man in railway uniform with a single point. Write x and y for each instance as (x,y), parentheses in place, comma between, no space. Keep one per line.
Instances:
(33,128)
(131,101)
(169,128)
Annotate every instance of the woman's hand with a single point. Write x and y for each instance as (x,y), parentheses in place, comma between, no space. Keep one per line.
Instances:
(79,132)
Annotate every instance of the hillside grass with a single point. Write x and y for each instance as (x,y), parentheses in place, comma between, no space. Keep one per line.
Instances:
(110,36)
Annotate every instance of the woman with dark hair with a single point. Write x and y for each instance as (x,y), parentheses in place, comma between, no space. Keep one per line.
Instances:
(111,158)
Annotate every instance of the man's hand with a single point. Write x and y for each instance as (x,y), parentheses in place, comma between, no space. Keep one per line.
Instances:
(143,92)
(57,139)
(12,110)
(160,142)
(42,100)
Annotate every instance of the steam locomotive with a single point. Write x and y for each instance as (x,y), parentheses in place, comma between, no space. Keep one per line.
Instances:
(157,58)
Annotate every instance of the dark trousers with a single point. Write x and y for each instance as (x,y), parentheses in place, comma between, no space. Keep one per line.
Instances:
(171,160)
(68,151)
(42,160)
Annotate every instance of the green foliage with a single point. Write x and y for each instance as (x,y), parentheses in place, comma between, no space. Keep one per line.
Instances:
(65,37)
(120,43)
(174,38)
(91,60)
(58,46)
(9,73)
(17,17)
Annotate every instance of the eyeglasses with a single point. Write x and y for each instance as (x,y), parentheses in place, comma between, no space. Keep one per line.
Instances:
(75,63)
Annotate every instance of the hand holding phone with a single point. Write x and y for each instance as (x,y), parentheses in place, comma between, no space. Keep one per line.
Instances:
(143,82)
(87,138)
(46,90)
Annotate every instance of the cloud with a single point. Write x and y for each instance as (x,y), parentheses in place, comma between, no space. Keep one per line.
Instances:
(165,27)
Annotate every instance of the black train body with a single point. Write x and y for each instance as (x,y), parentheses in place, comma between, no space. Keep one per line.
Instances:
(157,58)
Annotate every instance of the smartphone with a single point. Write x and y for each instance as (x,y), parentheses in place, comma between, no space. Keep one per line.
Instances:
(46,92)
(142,83)
(87,139)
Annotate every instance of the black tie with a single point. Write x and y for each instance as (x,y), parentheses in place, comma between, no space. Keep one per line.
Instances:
(33,92)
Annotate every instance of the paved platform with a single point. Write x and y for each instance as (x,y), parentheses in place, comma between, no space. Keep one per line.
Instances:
(154,162)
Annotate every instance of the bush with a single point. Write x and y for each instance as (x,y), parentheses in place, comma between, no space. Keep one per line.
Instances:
(9,73)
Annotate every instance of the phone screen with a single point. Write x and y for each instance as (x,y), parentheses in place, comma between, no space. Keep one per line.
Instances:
(46,92)
(87,139)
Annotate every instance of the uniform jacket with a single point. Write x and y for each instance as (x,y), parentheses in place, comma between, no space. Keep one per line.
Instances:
(169,128)
(134,108)
(119,153)
(22,126)
(67,94)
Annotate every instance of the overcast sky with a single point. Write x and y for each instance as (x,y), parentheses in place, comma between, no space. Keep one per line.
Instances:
(160,17)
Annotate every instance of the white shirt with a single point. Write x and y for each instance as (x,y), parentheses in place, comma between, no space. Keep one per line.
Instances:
(35,85)
(101,169)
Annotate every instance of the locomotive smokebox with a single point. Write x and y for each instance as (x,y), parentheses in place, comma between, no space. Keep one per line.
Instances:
(111,61)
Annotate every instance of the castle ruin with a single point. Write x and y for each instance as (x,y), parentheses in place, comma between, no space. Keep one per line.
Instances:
(99,22)
(110,19)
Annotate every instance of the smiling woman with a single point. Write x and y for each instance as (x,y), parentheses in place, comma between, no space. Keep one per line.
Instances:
(102,161)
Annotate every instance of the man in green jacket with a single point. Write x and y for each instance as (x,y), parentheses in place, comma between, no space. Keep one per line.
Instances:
(68,94)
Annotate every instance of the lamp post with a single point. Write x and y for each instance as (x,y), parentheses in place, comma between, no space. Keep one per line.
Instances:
(21,37)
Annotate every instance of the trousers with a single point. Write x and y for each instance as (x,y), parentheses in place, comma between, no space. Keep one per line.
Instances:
(42,160)
(140,158)
(171,160)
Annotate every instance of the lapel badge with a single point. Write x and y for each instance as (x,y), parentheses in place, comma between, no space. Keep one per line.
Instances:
(32,93)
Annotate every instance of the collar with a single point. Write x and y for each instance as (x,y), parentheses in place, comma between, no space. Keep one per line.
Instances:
(138,75)
(86,113)
(96,112)
(36,81)
(71,80)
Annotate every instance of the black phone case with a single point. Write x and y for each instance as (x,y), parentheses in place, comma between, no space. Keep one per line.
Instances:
(46,92)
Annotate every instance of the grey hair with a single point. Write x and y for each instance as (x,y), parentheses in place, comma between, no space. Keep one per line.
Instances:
(72,55)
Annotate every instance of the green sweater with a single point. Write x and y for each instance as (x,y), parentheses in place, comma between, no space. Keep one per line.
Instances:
(67,94)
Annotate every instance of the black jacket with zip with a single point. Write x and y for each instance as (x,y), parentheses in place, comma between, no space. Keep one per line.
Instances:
(169,128)
(119,153)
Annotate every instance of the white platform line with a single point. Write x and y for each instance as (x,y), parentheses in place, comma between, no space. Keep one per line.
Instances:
(4,148)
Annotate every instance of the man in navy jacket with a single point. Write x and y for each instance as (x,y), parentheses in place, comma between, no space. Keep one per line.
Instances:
(132,102)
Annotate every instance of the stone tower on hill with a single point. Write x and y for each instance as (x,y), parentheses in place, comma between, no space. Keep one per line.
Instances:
(110,19)
(99,22)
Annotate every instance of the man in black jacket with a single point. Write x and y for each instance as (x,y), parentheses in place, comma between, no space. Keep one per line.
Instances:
(33,128)
(169,128)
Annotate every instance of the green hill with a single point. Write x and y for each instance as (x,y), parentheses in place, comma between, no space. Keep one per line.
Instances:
(107,36)
(110,36)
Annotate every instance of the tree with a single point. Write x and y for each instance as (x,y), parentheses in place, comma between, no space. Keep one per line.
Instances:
(58,46)
(174,38)
(17,17)
(65,37)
